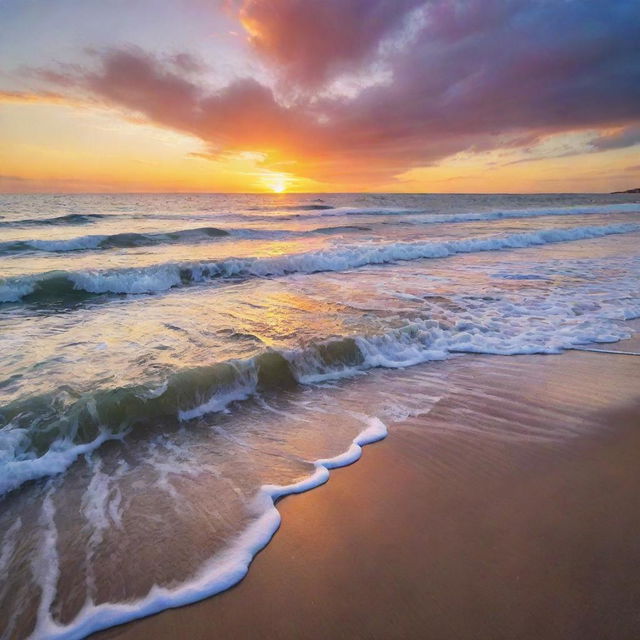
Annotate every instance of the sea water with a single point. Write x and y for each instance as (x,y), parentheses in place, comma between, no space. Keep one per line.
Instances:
(170,365)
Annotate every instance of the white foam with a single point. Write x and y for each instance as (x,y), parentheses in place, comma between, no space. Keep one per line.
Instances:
(350,257)
(143,280)
(219,402)
(20,465)
(46,565)
(14,290)
(220,573)
(101,501)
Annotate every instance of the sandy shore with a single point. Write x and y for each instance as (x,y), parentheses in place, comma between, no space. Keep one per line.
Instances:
(472,521)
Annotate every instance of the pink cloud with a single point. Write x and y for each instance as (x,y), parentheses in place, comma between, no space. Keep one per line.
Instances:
(312,40)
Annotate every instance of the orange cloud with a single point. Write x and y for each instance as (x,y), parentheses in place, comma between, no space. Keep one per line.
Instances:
(25,97)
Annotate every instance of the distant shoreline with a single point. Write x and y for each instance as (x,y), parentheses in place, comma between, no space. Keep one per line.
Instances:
(617,193)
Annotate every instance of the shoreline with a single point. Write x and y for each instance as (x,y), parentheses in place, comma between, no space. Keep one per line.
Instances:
(221,573)
(273,600)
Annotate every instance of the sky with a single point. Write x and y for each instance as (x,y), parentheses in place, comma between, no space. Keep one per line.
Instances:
(319,95)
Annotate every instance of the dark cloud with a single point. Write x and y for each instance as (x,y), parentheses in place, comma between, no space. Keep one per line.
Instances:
(495,67)
(618,139)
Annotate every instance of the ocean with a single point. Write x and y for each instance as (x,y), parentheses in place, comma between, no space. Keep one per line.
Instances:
(171,365)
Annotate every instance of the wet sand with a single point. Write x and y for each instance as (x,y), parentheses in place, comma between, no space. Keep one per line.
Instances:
(462,523)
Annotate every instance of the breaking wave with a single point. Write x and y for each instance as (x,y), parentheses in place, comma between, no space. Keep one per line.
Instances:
(42,435)
(59,286)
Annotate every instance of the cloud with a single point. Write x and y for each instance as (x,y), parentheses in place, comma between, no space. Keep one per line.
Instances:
(497,67)
(243,115)
(187,63)
(313,40)
(35,97)
(474,75)
(618,139)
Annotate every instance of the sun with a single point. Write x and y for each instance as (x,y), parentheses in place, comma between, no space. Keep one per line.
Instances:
(277,182)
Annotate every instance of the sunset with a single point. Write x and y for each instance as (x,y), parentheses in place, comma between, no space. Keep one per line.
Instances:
(319,319)
(346,96)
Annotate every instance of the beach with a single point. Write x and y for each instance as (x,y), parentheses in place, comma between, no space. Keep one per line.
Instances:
(176,367)
(319,320)
(470,521)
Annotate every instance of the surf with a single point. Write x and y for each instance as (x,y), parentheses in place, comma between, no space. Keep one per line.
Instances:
(61,286)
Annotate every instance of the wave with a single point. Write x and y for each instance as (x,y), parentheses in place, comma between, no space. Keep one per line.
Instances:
(294,207)
(71,218)
(133,240)
(340,229)
(113,241)
(435,217)
(294,213)
(431,216)
(43,434)
(325,210)
(60,286)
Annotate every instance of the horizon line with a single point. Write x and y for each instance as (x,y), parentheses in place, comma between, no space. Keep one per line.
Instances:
(319,193)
